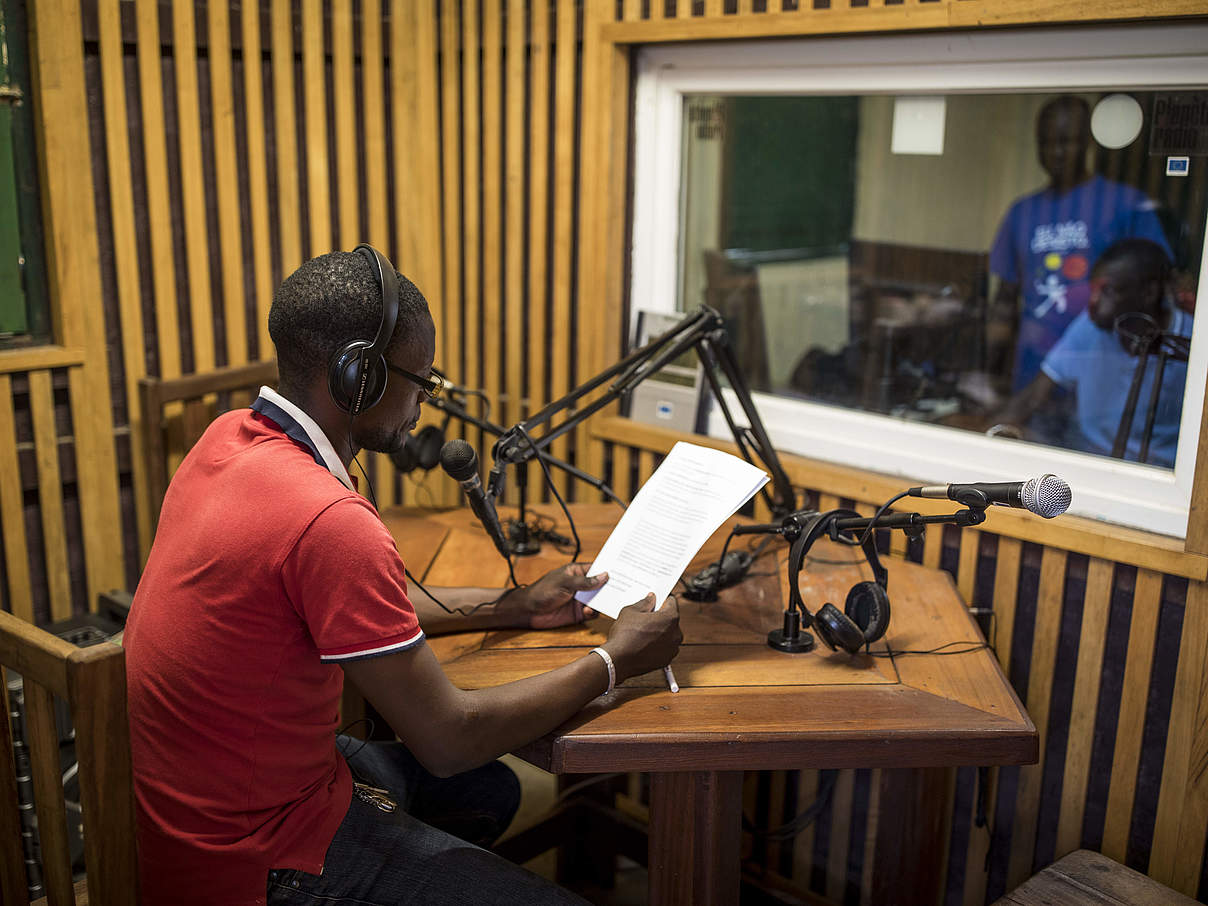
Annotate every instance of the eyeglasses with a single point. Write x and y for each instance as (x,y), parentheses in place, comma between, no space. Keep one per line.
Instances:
(433,386)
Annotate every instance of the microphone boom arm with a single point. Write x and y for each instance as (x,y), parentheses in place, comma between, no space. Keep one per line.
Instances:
(703,330)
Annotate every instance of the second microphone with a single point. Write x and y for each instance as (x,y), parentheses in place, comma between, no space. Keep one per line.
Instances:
(460,462)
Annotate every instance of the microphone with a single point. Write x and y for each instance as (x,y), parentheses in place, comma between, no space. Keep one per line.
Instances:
(460,461)
(1046,496)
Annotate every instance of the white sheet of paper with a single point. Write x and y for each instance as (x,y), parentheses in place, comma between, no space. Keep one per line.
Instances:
(690,494)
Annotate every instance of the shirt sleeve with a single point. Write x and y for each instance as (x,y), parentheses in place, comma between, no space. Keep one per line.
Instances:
(345,578)
(1002,251)
(1071,355)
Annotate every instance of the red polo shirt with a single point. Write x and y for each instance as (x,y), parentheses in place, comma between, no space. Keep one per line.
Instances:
(265,574)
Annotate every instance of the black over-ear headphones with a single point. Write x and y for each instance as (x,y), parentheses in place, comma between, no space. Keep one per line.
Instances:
(421,450)
(356,375)
(865,615)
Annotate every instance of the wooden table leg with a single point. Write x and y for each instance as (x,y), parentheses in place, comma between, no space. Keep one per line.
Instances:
(695,832)
(910,831)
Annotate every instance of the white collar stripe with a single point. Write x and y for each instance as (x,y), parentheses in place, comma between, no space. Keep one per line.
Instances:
(319,443)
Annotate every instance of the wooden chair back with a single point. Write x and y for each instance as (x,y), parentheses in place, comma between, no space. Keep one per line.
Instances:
(178,410)
(92,681)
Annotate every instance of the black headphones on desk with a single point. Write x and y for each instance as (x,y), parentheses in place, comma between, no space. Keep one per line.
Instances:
(356,375)
(865,614)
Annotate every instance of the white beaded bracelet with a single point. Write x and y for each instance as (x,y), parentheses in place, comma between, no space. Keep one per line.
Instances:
(612,670)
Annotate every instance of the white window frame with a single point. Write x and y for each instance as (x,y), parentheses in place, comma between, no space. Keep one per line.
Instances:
(1144,57)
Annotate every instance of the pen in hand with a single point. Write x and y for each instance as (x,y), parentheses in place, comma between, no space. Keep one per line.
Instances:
(671,683)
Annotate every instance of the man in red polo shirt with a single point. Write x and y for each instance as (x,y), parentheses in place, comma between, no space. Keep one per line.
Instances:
(270,580)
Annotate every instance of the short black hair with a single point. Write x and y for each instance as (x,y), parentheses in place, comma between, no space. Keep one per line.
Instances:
(1149,260)
(327,303)
(1063,102)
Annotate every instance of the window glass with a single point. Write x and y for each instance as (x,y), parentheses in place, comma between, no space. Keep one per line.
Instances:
(1023,263)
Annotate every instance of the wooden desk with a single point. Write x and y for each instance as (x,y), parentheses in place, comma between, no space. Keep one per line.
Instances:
(744,706)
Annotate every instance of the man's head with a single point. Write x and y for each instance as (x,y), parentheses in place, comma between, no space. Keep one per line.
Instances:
(1063,133)
(331,301)
(1130,276)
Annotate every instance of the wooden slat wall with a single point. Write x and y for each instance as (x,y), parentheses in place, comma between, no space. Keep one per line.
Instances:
(481,143)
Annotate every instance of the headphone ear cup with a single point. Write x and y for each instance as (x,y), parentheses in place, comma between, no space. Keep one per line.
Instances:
(344,379)
(867,607)
(420,450)
(428,442)
(837,630)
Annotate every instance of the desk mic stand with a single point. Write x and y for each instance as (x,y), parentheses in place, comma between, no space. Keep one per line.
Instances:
(805,527)
(520,541)
(704,331)
(1149,340)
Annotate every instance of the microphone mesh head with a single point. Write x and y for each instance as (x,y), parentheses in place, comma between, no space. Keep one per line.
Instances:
(459,460)
(1046,496)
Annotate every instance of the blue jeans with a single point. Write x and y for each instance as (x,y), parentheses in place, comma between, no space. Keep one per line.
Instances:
(427,851)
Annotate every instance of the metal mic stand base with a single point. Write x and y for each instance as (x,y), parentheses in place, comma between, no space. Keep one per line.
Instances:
(791,639)
(520,542)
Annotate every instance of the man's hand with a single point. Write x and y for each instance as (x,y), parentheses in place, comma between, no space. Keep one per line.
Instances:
(644,639)
(550,601)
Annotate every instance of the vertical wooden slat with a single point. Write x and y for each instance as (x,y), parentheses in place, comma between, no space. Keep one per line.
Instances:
(1095,609)
(836,856)
(1193,820)
(125,246)
(803,843)
(537,296)
(318,173)
(1183,797)
(827,502)
(898,544)
(415,79)
(966,571)
(514,212)
(12,511)
(491,303)
(155,163)
(43,739)
(563,235)
(226,183)
(1040,687)
(373,144)
(60,105)
(471,176)
(285,137)
(374,138)
(451,325)
(870,835)
(1133,699)
(13,885)
(192,186)
(50,494)
(646,467)
(345,123)
(1006,593)
(933,546)
(103,759)
(606,82)
(419,233)
(256,164)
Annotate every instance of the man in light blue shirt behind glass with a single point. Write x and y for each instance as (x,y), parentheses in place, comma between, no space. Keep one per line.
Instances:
(1095,363)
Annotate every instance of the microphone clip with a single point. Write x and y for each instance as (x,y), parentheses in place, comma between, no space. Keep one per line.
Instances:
(497,481)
